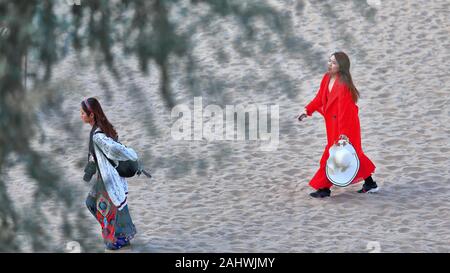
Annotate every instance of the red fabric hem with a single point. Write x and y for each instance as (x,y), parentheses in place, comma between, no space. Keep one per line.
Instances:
(320,179)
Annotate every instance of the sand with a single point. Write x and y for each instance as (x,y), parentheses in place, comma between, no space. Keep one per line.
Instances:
(229,196)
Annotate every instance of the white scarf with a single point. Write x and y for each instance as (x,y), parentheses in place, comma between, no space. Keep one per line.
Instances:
(116,186)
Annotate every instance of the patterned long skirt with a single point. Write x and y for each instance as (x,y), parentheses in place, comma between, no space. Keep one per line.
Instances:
(117,227)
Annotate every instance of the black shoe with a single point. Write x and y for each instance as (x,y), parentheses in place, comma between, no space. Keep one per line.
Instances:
(321,193)
(113,246)
(369,188)
(119,244)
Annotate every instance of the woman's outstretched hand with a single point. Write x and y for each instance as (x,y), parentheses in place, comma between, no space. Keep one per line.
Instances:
(302,115)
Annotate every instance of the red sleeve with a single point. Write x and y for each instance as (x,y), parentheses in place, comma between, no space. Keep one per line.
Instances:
(316,103)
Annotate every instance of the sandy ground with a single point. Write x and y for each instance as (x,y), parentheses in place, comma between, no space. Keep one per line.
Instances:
(229,196)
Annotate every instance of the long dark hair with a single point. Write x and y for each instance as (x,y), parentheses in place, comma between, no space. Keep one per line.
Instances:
(344,73)
(91,105)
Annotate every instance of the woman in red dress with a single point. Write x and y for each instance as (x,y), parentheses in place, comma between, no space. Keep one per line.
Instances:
(336,102)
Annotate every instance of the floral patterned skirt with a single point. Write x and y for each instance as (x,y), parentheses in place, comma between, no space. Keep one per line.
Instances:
(117,227)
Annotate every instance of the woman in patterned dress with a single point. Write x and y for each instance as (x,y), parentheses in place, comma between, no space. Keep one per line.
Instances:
(107,200)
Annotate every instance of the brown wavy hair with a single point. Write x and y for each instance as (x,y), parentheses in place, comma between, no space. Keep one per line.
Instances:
(91,105)
(344,73)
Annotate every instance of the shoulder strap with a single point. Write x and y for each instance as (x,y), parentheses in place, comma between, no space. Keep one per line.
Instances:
(91,150)
(116,140)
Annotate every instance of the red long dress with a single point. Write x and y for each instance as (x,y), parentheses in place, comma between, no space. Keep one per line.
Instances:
(341,117)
